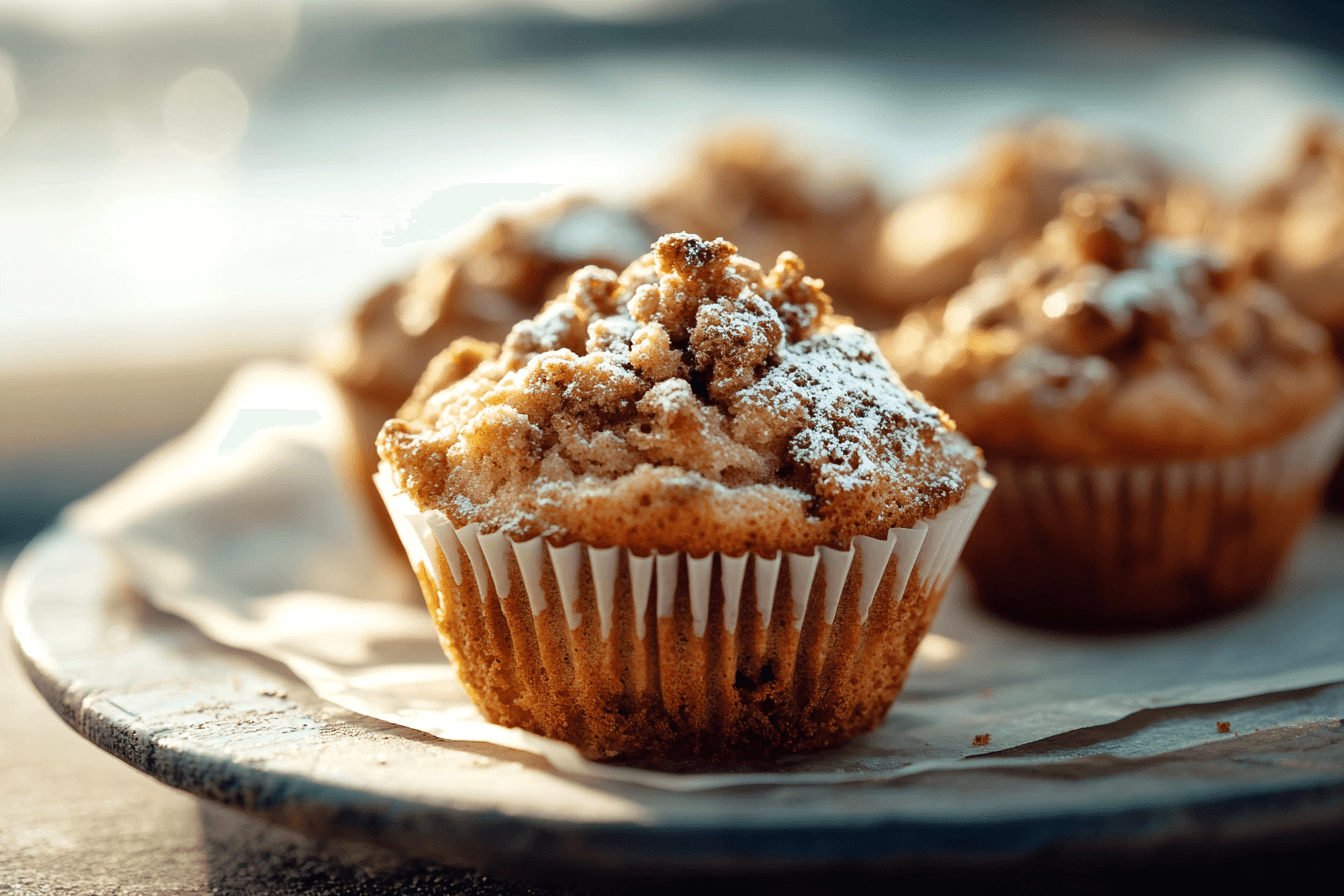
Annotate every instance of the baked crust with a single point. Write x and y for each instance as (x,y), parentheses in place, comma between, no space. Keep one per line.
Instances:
(1103,343)
(693,403)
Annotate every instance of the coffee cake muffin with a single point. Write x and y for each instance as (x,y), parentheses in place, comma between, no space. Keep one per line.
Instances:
(931,243)
(684,511)
(1160,427)
(1291,230)
(1291,233)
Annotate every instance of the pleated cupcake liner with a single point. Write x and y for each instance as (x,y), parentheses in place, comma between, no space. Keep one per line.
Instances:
(1128,547)
(672,654)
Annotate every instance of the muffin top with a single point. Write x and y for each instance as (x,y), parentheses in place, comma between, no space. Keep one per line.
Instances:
(1292,230)
(692,403)
(1101,343)
(507,272)
(932,242)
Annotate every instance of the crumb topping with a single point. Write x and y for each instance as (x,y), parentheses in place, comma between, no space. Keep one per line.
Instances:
(1102,342)
(932,243)
(694,402)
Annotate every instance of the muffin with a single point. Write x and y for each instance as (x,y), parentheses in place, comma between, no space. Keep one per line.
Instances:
(377,354)
(751,187)
(1291,233)
(1160,427)
(931,243)
(684,512)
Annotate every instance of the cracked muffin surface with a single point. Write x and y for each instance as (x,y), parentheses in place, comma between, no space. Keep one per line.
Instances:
(1104,342)
(694,402)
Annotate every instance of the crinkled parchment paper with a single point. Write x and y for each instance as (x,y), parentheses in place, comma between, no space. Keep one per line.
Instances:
(246,527)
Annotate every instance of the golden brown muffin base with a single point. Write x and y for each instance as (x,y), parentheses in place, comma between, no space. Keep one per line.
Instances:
(1131,559)
(755,693)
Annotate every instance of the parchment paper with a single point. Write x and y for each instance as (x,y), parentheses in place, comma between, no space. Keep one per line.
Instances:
(247,526)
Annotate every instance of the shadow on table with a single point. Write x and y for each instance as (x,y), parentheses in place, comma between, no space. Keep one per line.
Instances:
(246,856)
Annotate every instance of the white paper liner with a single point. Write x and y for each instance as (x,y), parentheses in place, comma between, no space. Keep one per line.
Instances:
(672,695)
(263,551)
(931,546)
(1224,523)
(1305,458)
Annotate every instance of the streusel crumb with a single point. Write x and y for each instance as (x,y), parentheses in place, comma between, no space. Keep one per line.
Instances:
(1105,342)
(692,403)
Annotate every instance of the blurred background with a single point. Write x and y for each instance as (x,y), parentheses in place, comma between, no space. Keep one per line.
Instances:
(185,184)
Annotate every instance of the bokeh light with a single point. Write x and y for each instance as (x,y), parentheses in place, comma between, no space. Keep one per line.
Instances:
(205,110)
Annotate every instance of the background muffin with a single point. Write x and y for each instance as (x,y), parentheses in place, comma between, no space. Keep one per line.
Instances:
(1291,233)
(693,413)
(1159,425)
(1291,230)
(931,243)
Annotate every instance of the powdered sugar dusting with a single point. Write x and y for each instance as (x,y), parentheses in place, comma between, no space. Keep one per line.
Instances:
(696,400)
(1103,343)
